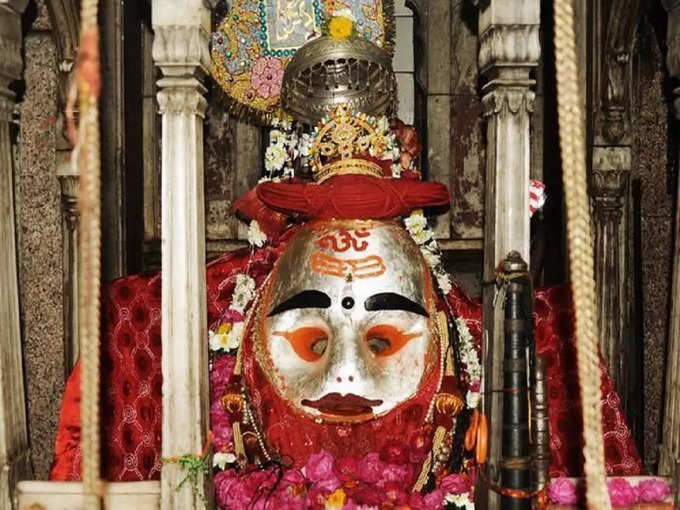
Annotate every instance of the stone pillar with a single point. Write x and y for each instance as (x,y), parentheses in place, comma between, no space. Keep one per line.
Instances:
(612,35)
(669,457)
(14,453)
(609,196)
(509,49)
(70,184)
(64,17)
(180,50)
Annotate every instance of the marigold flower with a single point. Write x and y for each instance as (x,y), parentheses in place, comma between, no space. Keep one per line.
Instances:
(336,500)
(340,28)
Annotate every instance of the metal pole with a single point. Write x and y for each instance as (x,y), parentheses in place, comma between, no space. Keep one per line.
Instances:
(515,461)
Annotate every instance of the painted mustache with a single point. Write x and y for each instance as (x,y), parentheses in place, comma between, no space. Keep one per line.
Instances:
(344,405)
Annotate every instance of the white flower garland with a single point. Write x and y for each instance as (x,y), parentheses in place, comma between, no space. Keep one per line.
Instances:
(283,149)
(228,335)
(470,358)
(222,460)
(255,235)
(227,338)
(416,225)
(460,500)
(421,233)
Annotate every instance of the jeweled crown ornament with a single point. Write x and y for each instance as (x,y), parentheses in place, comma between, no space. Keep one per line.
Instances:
(349,142)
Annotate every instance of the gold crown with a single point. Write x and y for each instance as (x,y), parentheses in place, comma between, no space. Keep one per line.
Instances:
(347,142)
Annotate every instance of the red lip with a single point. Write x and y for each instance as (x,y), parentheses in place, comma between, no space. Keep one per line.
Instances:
(343,405)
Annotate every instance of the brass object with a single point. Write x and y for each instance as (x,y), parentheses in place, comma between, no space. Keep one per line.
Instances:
(326,72)
(448,404)
(232,402)
(350,166)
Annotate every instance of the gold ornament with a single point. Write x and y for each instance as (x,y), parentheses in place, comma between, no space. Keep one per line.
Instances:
(232,402)
(448,404)
(342,142)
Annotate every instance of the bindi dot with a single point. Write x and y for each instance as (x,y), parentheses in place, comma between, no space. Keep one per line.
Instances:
(347,302)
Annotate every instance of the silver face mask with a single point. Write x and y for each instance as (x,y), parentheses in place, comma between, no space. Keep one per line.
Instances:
(344,331)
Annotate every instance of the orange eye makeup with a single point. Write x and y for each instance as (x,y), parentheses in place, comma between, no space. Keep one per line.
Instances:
(385,340)
(309,343)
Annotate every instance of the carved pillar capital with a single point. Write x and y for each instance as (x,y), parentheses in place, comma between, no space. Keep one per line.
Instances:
(181,50)
(508,100)
(181,96)
(515,45)
(611,169)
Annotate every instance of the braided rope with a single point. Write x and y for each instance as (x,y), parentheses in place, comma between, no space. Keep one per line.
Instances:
(87,152)
(579,236)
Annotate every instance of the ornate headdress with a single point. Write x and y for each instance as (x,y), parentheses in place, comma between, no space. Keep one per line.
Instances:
(347,142)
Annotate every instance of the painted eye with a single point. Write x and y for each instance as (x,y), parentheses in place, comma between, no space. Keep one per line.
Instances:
(385,340)
(309,343)
(319,347)
(378,345)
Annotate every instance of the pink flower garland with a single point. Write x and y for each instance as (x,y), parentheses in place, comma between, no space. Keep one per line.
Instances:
(569,492)
(369,481)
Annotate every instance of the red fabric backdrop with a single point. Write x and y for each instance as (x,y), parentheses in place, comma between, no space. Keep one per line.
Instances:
(131,376)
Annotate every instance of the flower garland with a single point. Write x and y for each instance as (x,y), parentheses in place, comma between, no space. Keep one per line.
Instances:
(230,327)
(290,148)
(421,233)
(284,148)
(567,491)
(378,479)
(470,358)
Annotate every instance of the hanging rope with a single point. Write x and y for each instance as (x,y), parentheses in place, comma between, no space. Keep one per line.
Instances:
(86,155)
(572,144)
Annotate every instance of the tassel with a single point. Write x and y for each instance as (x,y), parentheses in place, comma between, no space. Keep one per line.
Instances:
(239,448)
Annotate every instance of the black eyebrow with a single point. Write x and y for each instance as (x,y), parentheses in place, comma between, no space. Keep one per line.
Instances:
(392,301)
(304,299)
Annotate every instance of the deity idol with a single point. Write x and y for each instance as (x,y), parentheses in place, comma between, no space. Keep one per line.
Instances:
(345,377)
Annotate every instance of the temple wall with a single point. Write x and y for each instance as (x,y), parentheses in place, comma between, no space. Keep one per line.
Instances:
(40,243)
(467,142)
(651,168)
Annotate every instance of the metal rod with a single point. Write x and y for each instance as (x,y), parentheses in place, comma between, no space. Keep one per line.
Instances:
(540,438)
(515,461)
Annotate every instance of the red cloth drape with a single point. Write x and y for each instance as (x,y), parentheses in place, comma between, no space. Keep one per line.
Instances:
(131,376)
